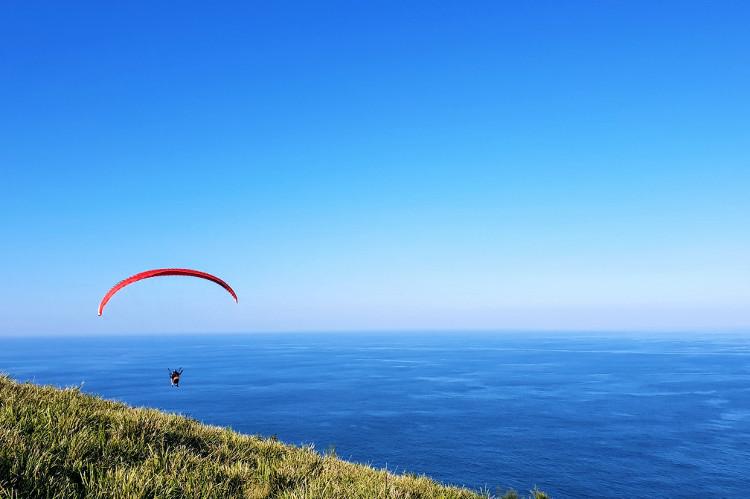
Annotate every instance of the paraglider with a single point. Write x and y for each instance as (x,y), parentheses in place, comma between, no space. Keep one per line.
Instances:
(174,376)
(163,272)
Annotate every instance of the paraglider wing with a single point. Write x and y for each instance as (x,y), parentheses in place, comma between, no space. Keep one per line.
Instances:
(163,272)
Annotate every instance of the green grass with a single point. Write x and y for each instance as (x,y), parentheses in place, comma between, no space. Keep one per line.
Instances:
(63,443)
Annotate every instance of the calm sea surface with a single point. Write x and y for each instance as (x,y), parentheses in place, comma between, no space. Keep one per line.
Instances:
(577,415)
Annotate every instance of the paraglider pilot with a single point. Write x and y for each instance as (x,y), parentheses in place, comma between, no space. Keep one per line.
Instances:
(174,376)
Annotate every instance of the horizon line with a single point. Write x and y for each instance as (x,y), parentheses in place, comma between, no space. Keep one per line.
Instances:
(742,330)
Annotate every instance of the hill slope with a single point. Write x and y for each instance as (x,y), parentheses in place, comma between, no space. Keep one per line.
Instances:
(64,443)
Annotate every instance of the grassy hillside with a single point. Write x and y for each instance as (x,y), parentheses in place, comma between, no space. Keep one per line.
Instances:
(62,443)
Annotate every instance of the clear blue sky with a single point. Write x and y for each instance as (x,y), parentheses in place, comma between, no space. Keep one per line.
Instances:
(376,165)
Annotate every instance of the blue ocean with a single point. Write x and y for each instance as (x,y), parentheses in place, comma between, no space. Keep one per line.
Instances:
(578,415)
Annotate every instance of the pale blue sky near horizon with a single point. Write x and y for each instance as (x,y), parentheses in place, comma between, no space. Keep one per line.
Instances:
(375,166)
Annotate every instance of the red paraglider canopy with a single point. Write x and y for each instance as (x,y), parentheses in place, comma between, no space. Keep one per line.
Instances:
(163,272)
